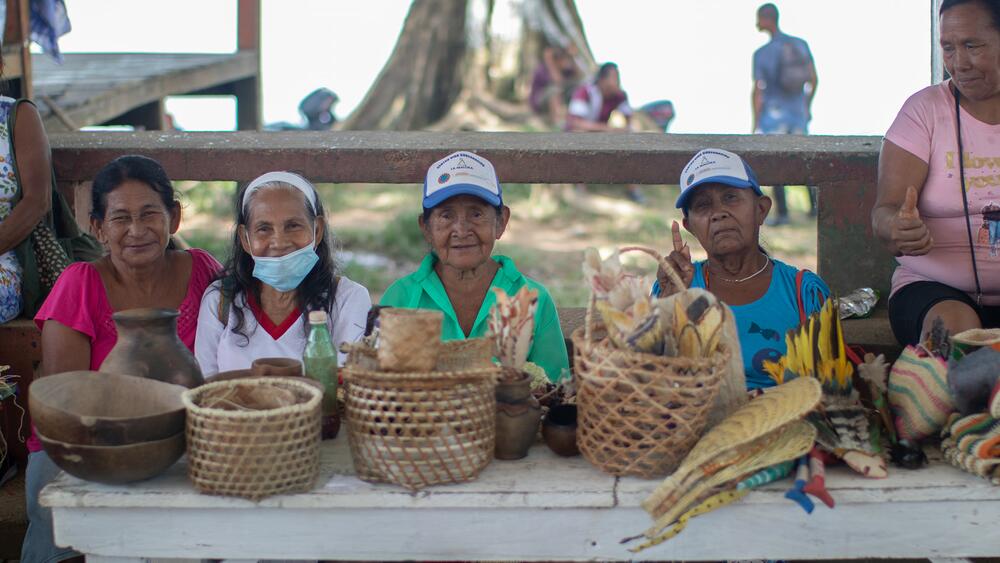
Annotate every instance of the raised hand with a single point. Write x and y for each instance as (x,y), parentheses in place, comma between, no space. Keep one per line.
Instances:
(680,259)
(908,232)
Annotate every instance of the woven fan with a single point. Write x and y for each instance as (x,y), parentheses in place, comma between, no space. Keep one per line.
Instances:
(758,418)
(786,443)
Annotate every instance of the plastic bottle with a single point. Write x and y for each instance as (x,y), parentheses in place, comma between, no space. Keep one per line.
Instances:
(320,362)
(858,303)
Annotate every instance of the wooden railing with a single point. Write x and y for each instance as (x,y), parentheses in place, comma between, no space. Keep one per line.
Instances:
(844,169)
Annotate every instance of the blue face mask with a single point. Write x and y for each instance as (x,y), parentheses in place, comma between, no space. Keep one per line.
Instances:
(285,273)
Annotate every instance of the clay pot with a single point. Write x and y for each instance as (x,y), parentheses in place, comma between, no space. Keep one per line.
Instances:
(148,346)
(409,339)
(518,416)
(287,367)
(103,409)
(115,465)
(559,430)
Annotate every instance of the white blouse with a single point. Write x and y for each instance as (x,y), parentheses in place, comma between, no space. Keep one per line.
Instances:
(217,348)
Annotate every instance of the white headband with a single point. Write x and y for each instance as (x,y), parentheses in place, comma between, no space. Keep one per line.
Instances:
(294,180)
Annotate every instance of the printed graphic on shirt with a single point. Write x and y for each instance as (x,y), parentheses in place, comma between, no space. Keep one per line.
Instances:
(768,354)
(766,333)
(981,172)
(989,232)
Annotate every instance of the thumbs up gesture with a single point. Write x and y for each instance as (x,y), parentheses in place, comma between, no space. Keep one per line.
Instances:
(907,229)
(680,259)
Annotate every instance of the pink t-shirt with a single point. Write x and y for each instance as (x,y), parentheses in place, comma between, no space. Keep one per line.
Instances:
(925,127)
(79,301)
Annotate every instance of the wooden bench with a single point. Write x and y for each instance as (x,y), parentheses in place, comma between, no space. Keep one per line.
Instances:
(844,169)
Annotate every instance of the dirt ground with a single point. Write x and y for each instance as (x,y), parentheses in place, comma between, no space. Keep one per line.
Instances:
(551,226)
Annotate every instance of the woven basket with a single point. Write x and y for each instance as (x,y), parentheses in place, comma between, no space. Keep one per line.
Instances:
(460,355)
(420,429)
(640,414)
(253,453)
(454,355)
(409,339)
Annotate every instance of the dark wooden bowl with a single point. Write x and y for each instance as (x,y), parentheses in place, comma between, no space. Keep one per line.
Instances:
(92,408)
(115,465)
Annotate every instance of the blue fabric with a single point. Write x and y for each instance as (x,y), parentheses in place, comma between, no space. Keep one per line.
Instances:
(762,325)
(49,22)
(783,113)
(38,546)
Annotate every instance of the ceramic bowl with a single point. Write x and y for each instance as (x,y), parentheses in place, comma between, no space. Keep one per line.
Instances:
(115,465)
(102,409)
(559,430)
(276,366)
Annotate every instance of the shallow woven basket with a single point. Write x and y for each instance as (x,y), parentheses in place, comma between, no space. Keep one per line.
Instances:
(253,454)
(420,429)
(471,353)
(640,414)
(454,355)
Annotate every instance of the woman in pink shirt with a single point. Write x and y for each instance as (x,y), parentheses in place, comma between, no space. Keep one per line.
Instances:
(134,212)
(939,212)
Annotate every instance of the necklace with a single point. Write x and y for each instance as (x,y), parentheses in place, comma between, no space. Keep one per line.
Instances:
(767,261)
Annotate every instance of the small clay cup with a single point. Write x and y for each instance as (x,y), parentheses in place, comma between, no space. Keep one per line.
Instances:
(281,367)
(559,430)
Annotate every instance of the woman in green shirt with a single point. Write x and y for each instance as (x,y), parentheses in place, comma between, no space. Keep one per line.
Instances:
(463,217)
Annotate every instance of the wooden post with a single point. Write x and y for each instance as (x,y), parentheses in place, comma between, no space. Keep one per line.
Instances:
(147,117)
(937,61)
(247,91)
(848,252)
(16,54)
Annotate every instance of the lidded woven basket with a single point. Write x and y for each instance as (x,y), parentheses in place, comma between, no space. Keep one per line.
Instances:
(421,429)
(253,452)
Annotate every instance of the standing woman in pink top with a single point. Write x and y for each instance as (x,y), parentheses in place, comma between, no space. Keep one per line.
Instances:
(134,213)
(937,212)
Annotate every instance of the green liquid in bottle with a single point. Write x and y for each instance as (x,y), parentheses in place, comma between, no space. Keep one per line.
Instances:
(320,363)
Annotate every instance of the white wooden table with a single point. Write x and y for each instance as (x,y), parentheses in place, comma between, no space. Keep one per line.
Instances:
(541,507)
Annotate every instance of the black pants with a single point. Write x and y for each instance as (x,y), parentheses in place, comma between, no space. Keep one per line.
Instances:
(909,306)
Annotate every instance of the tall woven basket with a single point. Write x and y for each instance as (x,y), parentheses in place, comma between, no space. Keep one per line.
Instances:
(420,429)
(640,414)
(253,453)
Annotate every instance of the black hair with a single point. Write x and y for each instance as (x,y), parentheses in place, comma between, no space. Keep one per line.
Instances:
(605,70)
(316,292)
(428,211)
(769,11)
(130,167)
(992,6)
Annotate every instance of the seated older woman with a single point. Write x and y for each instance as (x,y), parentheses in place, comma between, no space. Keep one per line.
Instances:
(281,267)
(937,213)
(134,212)
(463,217)
(724,209)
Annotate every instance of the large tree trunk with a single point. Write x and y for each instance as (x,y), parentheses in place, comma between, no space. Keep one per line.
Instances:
(467,64)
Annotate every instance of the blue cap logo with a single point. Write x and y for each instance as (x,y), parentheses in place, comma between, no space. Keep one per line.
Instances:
(444,178)
(690,179)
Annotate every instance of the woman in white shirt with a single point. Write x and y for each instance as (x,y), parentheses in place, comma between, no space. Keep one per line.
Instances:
(281,267)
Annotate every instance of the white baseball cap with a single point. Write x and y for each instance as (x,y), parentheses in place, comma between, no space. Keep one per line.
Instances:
(461,173)
(715,166)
